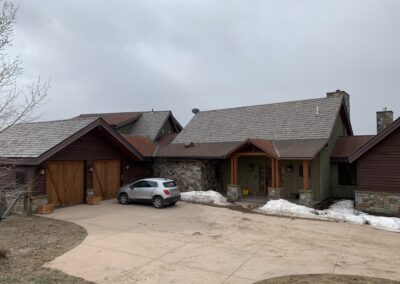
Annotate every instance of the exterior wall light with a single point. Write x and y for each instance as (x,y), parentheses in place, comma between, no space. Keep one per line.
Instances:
(127,167)
(290,168)
(90,169)
(251,167)
(42,171)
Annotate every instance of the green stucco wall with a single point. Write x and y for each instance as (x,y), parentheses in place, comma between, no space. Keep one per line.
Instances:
(291,182)
(325,163)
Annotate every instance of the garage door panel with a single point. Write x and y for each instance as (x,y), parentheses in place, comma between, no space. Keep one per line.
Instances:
(106,178)
(65,182)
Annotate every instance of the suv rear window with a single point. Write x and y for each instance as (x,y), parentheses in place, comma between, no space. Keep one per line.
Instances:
(169,184)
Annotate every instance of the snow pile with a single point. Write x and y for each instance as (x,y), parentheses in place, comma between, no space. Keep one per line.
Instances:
(284,207)
(340,211)
(209,196)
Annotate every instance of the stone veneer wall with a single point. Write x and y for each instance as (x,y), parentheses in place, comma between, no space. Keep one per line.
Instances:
(383,120)
(194,175)
(378,202)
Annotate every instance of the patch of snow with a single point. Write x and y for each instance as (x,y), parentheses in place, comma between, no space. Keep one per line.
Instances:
(342,210)
(209,196)
(286,208)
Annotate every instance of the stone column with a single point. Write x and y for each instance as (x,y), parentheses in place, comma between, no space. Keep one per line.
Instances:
(306,198)
(233,192)
(274,193)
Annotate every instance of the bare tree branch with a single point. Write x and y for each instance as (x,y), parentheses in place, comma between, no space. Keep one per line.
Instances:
(17,102)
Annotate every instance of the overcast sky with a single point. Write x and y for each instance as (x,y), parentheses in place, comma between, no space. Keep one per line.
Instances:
(115,56)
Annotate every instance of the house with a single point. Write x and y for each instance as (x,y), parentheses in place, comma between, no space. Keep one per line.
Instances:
(282,150)
(67,158)
(143,130)
(64,159)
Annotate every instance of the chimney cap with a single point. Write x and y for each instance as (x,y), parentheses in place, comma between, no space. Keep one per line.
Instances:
(195,111)
(385,109)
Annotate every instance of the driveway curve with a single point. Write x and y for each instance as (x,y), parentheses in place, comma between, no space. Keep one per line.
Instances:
(191,243)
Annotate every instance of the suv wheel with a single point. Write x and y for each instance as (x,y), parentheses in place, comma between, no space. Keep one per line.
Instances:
(123,198)
(158,202)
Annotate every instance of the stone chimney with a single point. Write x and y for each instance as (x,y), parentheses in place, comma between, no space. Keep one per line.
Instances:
(343,94)
(383,119)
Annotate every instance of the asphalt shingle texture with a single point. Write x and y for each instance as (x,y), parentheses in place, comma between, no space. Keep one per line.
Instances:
(149,124)
(306,119)
(30,140)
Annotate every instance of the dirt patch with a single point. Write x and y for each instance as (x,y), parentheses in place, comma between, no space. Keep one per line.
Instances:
(32,241)
(327,279)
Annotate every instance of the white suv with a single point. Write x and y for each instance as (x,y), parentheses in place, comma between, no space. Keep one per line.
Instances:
(158,191)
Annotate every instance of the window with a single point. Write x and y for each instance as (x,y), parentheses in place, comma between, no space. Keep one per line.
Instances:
(347,174)
(144,183)
(152,184)
(301,171)
(20,177)
(169,184)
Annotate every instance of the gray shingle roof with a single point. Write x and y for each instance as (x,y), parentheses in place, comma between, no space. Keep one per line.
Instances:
(280,121)
(30,140)
(149,124)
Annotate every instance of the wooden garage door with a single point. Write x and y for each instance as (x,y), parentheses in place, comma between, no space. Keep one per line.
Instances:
(65,182)
(106,178)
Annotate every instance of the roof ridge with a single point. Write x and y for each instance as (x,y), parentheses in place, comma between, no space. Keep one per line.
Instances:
(119,113)
(57,120)
(269,104)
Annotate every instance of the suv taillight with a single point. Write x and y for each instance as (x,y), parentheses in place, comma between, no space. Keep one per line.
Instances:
(166,191)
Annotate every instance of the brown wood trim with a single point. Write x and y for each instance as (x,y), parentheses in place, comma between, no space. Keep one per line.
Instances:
(235,162)
(253,154)
(273,172)
(306,179)
(277,174)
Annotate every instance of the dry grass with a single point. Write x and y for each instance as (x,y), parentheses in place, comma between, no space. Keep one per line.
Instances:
(33,241)
(4,252)
(326,279)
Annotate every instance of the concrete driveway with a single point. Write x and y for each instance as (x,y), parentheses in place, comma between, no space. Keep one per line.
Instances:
(201,244)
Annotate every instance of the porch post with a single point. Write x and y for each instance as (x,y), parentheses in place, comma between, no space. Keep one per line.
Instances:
(235,161)
(306,182)
(306,196)
(277,173)
(273,184)
(233,190)
(234,168)
(274,192)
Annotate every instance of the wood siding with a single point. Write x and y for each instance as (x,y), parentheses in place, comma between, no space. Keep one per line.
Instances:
(379,168)
(106,178)
(92,146)
(89,148)
(65,183)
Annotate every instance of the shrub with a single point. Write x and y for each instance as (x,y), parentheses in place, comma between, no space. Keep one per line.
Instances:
(4,252)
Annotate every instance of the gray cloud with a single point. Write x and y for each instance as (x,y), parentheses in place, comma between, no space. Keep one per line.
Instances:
(139,55)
